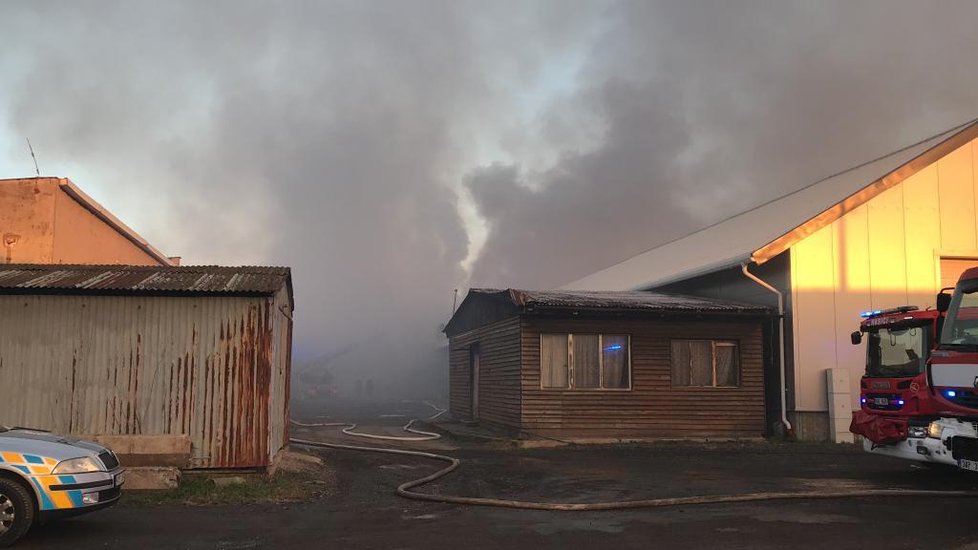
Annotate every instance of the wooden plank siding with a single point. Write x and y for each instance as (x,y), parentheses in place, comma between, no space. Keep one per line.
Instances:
(652,408)
(499,373)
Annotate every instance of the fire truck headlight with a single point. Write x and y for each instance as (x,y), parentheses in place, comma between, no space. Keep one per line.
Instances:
(935,430)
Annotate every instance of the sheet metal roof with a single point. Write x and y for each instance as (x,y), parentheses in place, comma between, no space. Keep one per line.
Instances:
(108,279)
(621,300)
(484,306)
(736,239)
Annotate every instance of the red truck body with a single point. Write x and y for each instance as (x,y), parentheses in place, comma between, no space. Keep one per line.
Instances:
(899,342)
(894,387)
(953,372)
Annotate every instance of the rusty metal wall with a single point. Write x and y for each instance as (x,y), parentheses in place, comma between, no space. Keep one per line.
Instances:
(213,368)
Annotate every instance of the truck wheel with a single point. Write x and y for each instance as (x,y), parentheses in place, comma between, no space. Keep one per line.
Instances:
(16,511)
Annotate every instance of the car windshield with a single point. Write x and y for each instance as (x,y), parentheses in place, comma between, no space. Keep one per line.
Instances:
(961,326)
(896,352)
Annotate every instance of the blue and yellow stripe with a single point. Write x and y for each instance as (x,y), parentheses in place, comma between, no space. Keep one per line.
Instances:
(38,470)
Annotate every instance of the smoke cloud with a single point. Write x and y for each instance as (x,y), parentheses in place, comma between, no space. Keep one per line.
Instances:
(708,108)
(391,152)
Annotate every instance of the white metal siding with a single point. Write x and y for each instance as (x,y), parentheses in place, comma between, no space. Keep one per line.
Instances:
(884,253)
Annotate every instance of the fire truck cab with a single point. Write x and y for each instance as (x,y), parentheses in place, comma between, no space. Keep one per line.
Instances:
(898,344)
(896,407)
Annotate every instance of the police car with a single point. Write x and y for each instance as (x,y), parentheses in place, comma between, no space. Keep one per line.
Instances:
(45,476)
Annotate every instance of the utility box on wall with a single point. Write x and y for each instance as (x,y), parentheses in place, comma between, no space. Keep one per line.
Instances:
(840,404)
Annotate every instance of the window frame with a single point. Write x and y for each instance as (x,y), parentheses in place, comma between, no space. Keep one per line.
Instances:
(570,361)
(714,344)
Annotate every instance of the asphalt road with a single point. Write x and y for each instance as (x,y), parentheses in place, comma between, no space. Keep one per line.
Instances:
(363,512)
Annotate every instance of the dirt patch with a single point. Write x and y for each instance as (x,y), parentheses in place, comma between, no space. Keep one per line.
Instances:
(283,487)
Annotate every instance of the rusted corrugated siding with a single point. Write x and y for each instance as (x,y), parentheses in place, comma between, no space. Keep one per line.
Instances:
(213,368)
(278,427)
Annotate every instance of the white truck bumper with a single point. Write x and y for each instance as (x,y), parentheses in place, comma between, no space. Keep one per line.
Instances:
(931,449)
(917,449)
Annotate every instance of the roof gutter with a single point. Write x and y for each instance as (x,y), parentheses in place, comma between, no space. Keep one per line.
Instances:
(784,407)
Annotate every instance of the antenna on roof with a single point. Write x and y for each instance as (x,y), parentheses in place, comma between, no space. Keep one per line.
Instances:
(454,301)
(31,148)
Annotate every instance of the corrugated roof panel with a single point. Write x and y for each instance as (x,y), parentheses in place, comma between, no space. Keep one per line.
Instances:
(18,278)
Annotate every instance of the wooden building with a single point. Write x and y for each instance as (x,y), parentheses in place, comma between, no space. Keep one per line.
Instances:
(608,365)
(889,232)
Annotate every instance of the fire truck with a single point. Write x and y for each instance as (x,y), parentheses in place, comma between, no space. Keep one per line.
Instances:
(895,405)
(953,375)
(917,408)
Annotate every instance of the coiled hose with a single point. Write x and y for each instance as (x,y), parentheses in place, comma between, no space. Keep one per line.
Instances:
(405,489)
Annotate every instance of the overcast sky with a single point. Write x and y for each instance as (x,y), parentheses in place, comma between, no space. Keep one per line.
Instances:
(390,152)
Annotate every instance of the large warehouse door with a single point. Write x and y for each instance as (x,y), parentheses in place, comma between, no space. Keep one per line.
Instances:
(952,268)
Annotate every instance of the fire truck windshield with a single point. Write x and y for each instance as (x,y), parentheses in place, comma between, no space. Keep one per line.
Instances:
(896,352)
(961,326)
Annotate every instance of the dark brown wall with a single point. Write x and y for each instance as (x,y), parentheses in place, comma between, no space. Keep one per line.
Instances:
(652,408)
(731,284)
(499,374)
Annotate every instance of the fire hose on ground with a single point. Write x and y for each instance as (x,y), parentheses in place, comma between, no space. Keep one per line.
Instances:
(405,489)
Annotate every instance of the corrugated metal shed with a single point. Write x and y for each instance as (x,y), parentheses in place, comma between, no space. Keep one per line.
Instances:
(734,240)
(197,351)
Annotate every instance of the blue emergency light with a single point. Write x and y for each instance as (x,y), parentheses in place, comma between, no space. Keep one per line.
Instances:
(875,312)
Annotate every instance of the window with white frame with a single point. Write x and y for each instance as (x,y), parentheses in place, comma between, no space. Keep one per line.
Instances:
(585,361)
(705,363)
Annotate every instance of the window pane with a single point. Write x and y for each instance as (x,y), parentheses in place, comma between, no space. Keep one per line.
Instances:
(553,360)
(615,360)
(680,362)
(728,364)
(701,363)
(586,361)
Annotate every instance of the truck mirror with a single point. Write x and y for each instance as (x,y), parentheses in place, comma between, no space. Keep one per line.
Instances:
(856,337)
(943,302)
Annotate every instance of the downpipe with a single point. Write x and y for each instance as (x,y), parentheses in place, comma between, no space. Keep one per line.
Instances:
(784,401)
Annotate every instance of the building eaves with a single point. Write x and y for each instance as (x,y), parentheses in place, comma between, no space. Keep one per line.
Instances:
(624,301)
(766,230)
